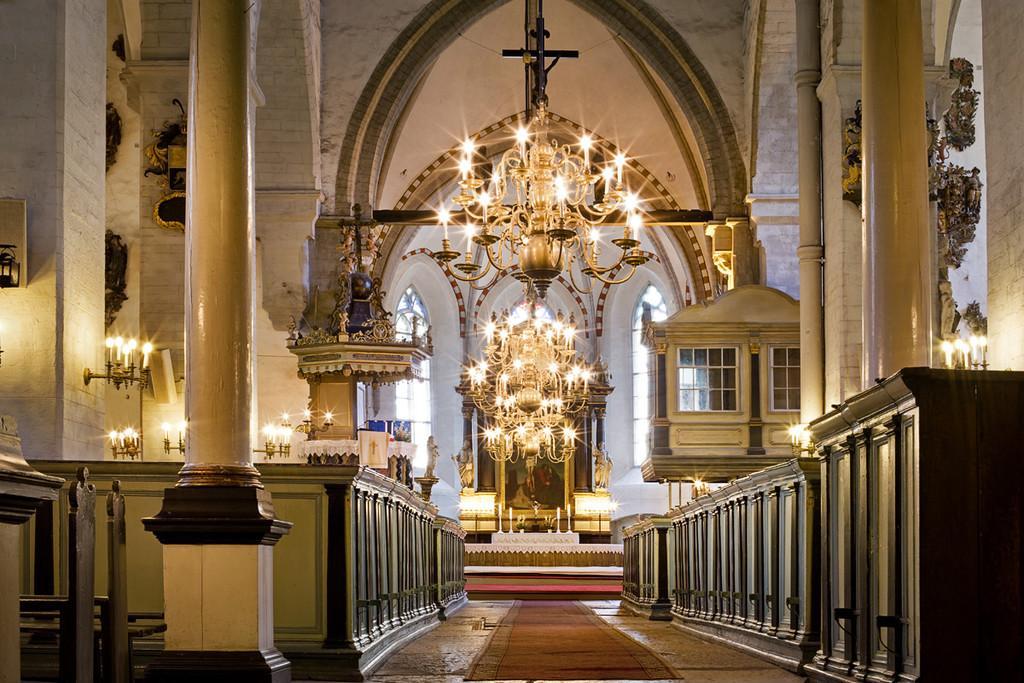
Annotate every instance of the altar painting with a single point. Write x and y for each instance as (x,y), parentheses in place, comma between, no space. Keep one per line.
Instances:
(542,481)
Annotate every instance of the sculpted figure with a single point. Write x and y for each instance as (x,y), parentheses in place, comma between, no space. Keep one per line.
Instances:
(464,460)
(432,456)
(602,468)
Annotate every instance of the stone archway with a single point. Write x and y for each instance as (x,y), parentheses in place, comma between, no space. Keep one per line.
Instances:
(393,83)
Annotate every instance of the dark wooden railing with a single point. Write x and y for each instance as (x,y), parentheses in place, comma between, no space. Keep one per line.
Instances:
(449,571)
(368,566)
(645,567)
(741,563)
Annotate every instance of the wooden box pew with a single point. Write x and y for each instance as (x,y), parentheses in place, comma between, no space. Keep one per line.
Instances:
(85,623)
(367,566)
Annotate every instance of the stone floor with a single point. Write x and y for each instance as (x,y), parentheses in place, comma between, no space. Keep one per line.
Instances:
(444,654)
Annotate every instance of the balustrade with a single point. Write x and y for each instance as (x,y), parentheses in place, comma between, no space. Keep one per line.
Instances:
(740,563)
(370,565)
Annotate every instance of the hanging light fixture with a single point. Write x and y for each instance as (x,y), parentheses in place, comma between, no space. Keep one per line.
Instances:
(542,209)
(531,386)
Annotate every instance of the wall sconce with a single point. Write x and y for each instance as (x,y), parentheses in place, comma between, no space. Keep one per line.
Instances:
(800,437)
(122,363)
(126,443)
(166,428)
(966,355)
(277,439)
(10,268)
(309,428)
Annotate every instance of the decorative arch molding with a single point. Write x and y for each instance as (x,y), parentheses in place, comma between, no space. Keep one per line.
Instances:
(430,181)
(460,301)
(393,83)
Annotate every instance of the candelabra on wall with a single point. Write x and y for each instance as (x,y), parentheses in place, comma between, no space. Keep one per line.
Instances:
(277,439)
(180,446)
(800,438)
(965,355)
(125,443)
(122,363)
(311,428)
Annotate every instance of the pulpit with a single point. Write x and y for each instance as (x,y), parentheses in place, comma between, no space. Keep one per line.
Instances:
(347,339)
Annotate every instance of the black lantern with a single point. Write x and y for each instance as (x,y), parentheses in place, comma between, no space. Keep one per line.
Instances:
(10,269)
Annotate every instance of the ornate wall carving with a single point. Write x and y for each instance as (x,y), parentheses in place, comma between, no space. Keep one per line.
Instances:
(959,118)
(116,270)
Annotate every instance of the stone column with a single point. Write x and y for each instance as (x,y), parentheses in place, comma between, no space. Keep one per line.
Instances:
(810,251)
(746,253)
(218,525)
(897,260)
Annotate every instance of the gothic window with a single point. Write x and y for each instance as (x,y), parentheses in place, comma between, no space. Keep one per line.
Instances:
(641,372)
(412,397)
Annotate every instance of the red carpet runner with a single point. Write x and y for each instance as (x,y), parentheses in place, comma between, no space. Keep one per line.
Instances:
(563,641)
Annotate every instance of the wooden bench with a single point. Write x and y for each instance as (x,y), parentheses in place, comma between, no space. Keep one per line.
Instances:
(86,624)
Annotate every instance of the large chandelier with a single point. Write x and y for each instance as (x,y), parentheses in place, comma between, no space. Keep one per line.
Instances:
(543,207)
(531,386)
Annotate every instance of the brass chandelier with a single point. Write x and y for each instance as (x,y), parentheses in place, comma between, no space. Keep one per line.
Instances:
(530,385)
(542,209)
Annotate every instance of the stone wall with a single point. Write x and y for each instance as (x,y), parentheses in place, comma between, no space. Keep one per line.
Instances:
(54,158)
(1003,26)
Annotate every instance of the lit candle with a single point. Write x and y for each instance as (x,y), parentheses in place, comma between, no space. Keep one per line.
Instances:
(147,349)
(166,428)
(109,352)
(558,519)
(444,216)
(620,162)
(947,351)
(607,174)
(585,141)
(119,343)
(522,135)
(510,520)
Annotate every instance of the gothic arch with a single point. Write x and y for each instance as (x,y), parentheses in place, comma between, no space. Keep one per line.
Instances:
(437,173)
(393,83)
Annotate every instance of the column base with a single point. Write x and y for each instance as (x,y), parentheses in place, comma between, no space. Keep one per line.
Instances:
(202,666)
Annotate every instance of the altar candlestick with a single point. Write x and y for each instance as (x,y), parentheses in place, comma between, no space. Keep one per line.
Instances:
(558,520)
(499,518)
(510,526)
(568,518)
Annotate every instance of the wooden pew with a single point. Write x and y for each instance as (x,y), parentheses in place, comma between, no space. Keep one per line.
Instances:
(74,611)
(75,621)
(118,626)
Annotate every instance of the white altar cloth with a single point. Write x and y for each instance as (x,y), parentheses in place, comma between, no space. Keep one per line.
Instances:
(347,447)
(536,538)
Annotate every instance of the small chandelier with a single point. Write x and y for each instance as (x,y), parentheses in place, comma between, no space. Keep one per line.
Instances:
(530,386)
(542,208)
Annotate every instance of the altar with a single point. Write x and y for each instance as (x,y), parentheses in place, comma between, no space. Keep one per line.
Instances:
(542,549)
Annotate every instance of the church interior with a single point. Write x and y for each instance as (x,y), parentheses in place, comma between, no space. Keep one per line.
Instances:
(511,340)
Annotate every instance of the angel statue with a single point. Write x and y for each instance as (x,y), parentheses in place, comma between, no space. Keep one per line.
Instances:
(602,468)
(464,460)
(432,456)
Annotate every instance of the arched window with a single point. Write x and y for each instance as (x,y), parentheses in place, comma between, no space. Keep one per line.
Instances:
(651,298)
(521,312)
(412,397)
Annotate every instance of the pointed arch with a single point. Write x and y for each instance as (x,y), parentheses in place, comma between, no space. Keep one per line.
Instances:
(393,83)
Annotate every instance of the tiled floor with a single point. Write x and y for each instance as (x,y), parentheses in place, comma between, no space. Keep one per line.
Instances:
(444,654)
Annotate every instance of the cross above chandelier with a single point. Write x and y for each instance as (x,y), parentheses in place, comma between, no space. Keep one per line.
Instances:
(542,210)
